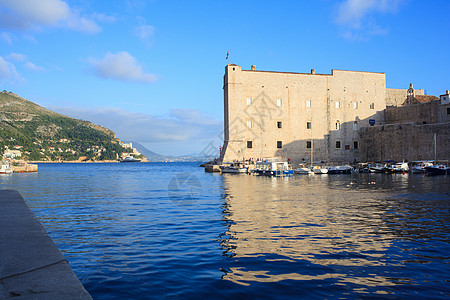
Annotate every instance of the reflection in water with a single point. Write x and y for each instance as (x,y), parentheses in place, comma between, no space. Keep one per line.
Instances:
(337,228)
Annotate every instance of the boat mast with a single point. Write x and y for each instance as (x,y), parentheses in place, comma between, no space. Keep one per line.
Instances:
(435,160)
(312,153)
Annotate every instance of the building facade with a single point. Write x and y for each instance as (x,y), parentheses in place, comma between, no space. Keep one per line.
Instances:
(302,117)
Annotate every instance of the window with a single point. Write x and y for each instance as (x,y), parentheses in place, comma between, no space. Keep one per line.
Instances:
(249,144)
(279,102)
(279,144)
(249,124)
(338,144)
(338,104)
(249,101)
(347,147)
(355,105)
(355,145)
(338,125)
(448,110)
(372,105)
(279,124)
(308,103)
(308,125)
(355,125)
(308,144)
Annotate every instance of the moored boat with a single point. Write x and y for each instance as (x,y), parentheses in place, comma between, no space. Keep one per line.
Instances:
(398,168)
(130,158)
(303,170)
(5,168)
(273,168)
(437,170)
(320,170)
(418,167)
(233,168)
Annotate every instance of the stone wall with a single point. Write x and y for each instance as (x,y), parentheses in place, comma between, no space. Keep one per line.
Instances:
(405,141)
(271,114)
(396,97)
(425,113)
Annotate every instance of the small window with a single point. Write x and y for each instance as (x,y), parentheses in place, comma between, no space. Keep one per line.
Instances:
(280,124)
(308,144)
(249,101)
(347,147)
(338,144)
(249,144)
(448,110)
(355,105)
(308,103)
(249,124)
(338,125)
(372,105)
(355,125)
(338,104)
(355,145)
(279,102)
(308,125)
(279,144)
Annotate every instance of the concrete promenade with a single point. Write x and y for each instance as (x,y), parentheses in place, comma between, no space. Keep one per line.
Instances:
(31,266)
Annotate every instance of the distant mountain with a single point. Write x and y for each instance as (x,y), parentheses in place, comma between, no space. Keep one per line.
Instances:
(43,135)
(151,156)
(154,157)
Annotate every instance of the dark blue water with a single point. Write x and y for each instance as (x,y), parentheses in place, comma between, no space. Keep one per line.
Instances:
(156,230)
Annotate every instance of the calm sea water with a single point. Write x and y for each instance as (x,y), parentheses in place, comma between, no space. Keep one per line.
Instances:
(157,230)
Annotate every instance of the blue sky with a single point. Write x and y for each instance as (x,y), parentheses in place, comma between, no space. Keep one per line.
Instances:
(152,71)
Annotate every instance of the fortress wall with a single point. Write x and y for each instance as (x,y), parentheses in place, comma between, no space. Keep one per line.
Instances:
(405,141)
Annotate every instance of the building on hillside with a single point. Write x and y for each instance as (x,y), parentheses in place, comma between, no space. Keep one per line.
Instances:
(306,116)
(12,153)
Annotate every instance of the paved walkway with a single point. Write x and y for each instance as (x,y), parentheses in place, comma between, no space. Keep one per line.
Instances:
(31,266)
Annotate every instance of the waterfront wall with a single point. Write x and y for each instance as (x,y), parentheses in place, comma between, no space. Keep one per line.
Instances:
(424,113)
(405,141)
(270,114)
(31,266)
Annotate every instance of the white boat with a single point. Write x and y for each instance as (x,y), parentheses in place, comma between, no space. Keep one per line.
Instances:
(378,168)
(234,168)
(5,168)
(345,169)
(319,170)
(418,167)
(398,168)
(303,170)
(130,158)
(273,168)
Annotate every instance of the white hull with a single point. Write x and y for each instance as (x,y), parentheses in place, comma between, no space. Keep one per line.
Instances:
(305,171)
(318,170)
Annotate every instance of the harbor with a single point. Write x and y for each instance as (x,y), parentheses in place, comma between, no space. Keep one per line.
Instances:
(171,230)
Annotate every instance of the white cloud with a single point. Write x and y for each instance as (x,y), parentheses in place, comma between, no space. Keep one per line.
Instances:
(6,38)
(30,66)
(144,32)
(121,66)
(36,14)
(185,131)
(356,17)
(17,57)
(8,72)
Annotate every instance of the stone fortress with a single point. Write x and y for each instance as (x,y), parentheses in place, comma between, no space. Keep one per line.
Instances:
(345,116)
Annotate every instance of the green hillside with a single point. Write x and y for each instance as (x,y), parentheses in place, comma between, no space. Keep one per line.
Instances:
(43,135)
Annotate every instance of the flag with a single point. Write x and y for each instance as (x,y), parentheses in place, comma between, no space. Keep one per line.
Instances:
(228,53)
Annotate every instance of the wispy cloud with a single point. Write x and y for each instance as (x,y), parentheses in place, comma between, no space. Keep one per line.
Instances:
(357,17)
(22,58)
(121,66)
(37,14)
(144,32)
(8,72)
(6,38)
(184,131)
